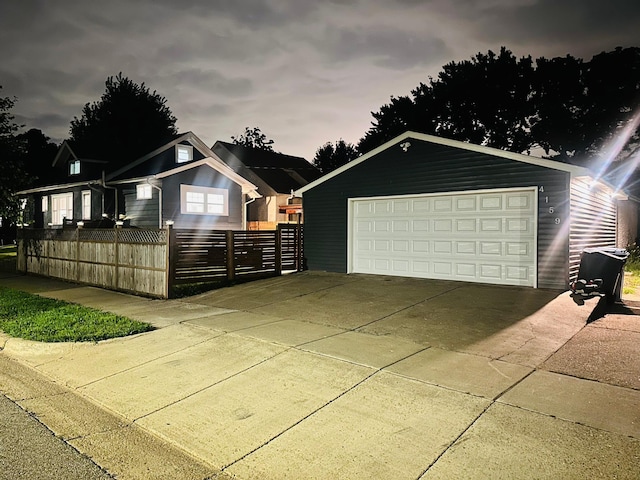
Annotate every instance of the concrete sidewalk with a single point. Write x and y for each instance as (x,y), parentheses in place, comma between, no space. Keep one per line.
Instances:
(318,375)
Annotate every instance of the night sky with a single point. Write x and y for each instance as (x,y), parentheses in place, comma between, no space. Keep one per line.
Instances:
(304,71)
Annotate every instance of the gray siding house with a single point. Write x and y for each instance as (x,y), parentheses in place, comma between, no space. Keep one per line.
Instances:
(428,207)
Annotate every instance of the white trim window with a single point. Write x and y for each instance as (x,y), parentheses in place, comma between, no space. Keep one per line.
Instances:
(61,207)
(74,167)
(184,153)
(144,191)
(86,205)
(45,203)
(204,200)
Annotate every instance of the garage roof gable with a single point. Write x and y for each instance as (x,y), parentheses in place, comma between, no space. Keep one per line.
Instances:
(574,170)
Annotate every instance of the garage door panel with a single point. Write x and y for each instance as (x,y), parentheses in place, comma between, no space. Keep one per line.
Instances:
(517,201)
(466,248)
(466,225)
(484,237)
(491,225)
(491,248)
(491,203)
(466,204)
(441,205)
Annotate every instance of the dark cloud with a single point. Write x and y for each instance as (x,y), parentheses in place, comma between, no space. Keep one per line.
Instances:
(386,47)
(209,80)
(578,24)
(305,71)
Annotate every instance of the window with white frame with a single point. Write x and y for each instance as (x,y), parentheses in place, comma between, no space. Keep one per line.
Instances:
(86,205)
(45,203)
(74,167)
(144,191)
(184,153)
(204,200)
(61,207)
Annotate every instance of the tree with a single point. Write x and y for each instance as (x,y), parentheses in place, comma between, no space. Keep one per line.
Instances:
(38,154)
(574,110)
(127,122)
(12,174)
(254,138)
(333,155)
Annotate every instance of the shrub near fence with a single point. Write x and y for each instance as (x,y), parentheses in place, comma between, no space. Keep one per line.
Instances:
(155,262)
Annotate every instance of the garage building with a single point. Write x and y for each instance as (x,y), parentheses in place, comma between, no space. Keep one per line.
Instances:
(428,207)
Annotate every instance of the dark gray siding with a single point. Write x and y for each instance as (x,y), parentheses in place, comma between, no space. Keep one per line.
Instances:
(142,213)
(432,168)
(203,176)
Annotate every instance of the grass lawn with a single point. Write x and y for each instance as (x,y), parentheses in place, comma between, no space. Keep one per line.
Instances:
(7,252)
(632,277)
(43,319)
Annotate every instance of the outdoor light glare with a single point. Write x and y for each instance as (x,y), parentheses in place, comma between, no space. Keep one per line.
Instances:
(169,223)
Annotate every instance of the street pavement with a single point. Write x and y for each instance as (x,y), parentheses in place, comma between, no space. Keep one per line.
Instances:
(318,375)
(48,458)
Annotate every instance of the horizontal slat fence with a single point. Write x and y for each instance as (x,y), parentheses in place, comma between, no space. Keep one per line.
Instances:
(155,262)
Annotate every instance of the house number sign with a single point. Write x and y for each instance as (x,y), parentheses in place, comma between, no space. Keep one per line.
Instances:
(551,208)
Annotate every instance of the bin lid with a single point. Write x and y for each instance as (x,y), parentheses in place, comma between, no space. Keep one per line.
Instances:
(609,251)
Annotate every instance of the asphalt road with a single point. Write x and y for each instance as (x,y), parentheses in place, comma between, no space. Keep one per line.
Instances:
(28,450)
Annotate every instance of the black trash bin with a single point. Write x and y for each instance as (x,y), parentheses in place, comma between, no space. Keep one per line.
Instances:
(601,273)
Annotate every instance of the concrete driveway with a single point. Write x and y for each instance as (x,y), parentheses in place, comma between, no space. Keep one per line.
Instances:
(318,375)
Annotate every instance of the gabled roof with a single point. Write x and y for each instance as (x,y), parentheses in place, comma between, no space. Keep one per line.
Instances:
(273,172)
(66,152)
(574,170)
(150,166)
(247,187)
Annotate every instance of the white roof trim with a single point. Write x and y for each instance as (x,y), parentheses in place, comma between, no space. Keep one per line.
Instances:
(247,187)
(65,146)
(186,136)
(49,188)
(574,170)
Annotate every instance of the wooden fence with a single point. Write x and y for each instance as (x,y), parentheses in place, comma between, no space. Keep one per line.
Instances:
(155,262)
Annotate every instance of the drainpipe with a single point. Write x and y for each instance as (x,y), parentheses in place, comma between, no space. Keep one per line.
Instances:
(244,213)
(92,186)
(104,184)
(159,201)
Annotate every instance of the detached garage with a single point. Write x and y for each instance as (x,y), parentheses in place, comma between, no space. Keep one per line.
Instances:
(428,207)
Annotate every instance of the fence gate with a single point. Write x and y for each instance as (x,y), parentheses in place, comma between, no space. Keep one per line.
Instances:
(292,250)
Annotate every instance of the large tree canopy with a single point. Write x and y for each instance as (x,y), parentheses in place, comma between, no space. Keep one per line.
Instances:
(127,122)
(574,110)
(333,155)
(13,176)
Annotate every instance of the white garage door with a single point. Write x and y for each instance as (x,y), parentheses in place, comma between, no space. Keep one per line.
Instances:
(481,236)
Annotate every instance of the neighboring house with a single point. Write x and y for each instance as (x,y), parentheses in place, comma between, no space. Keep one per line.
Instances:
(75,192)
(182,182)
(424,206)
(186,183)
(276,175)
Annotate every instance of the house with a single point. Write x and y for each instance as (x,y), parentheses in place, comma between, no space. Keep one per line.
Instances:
(182,182)
(73,191)
(424,206)
(276,175)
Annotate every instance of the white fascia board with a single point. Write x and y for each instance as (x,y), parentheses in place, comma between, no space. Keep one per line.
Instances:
(247,187)
(186,136)
(574,170)
(62,186)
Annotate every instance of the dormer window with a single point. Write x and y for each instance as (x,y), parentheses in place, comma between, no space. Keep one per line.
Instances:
(184,153)
(74,167)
